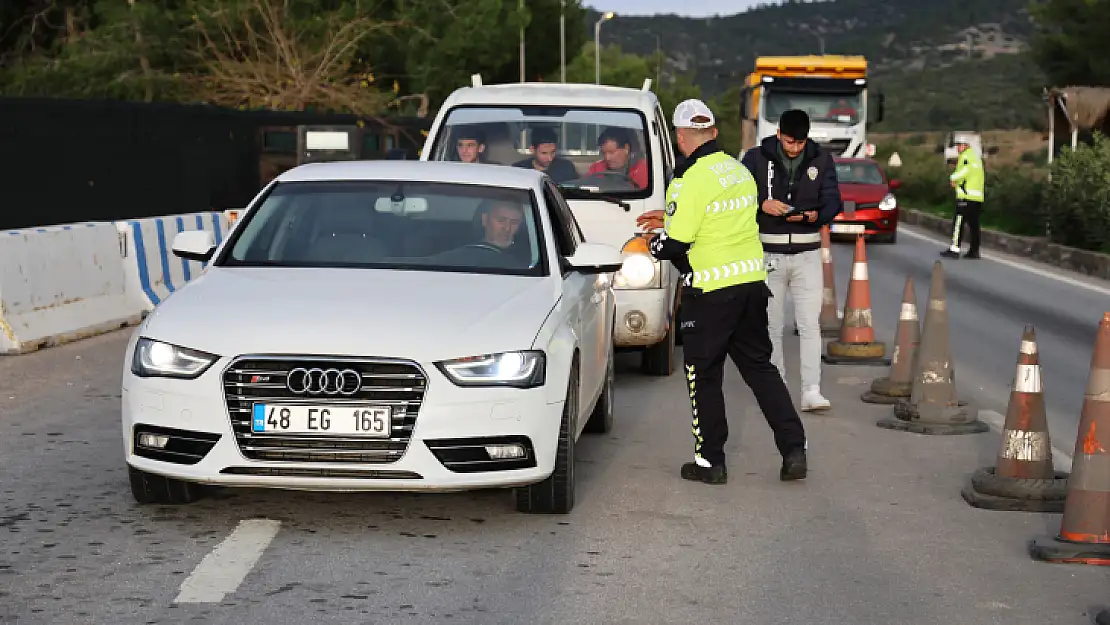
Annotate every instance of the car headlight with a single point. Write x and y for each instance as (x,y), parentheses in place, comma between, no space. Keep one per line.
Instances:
(888,203)
(523,369)
(155,359)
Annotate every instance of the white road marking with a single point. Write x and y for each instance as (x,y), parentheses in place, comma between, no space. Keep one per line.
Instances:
(1102,290)
(222,570)
(1061,460)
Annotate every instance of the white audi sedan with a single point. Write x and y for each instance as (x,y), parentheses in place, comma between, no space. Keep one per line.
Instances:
(379,325)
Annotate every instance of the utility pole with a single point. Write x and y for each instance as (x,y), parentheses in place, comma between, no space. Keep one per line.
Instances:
(563,41)
(522,43)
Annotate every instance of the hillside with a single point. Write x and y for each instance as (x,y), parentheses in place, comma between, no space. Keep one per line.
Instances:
(940,63)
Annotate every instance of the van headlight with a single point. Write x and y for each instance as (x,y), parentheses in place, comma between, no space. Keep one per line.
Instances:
(155,359)
(637,272)
(888,203)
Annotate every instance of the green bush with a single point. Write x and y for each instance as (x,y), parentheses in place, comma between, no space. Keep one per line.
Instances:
(1014,201)
(1077,201)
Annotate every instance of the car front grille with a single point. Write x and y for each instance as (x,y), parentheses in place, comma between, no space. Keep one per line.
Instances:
(398,384)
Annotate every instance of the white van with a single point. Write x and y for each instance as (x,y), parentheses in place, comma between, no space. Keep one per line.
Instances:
(606,192)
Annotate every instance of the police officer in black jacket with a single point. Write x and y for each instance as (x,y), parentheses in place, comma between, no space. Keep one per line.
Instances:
(793,171)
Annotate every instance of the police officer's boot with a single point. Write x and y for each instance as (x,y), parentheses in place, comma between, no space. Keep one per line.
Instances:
(710,475)
(794,466)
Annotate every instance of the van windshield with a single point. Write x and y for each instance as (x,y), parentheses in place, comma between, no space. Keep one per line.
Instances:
(602,150)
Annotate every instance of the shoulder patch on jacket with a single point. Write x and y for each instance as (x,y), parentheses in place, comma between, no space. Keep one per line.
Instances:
(812,172)
(671,207)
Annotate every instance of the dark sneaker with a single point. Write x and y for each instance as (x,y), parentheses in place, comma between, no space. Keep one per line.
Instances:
(972,255)
(950,254)
(794,466)
(710,475)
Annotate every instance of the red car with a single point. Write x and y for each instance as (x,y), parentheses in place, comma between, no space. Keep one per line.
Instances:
(869,203)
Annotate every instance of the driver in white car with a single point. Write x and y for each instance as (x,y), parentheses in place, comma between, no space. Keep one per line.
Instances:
(501,222)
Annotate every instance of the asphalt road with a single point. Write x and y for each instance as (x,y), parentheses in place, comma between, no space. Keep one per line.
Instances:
(877,534)
(991,300)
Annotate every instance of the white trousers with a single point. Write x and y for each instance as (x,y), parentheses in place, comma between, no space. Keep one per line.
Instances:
(798,275)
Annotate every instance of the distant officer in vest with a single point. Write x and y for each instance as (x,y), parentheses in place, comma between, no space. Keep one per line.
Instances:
(792,171)
(968,181)
(710,234)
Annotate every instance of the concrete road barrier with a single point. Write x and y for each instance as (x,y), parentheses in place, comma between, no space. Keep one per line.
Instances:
(59,284)
(152,272)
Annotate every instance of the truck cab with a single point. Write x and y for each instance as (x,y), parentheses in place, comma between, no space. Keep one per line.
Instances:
(831,89)
(614,159)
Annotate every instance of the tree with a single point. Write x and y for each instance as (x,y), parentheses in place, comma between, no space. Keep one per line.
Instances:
(1068,44)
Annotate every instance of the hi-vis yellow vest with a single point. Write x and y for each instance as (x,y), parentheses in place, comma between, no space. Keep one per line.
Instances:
(713,208)
(969,176)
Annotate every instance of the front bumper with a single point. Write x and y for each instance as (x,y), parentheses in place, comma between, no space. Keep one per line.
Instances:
(867,222)
(438,445)
(643,317)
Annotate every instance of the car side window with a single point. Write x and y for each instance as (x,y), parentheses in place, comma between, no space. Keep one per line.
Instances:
(568,216)
(564,237)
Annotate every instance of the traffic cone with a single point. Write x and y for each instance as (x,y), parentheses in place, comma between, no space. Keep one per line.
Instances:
(898,384)
(856,344)
(1084,536)
(1023,478)
(933,407)
(830,314)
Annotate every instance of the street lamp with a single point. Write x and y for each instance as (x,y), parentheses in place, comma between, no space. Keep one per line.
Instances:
(522,44)
(597,46)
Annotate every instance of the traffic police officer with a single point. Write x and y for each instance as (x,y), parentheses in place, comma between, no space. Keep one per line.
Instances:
(710,234)
(968,180)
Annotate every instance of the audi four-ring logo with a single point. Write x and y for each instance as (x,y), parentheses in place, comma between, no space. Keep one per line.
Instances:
(323,381)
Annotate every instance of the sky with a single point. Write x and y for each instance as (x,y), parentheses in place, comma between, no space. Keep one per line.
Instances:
(701,8)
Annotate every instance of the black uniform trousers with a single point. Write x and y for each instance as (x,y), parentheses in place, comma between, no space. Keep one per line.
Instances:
(733,321)
(967,212)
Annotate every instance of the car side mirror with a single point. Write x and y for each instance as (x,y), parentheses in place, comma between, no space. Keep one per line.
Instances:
(594,258)
(197,245)
(894,184)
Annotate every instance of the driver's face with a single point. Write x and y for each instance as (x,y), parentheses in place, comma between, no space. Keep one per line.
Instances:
(616,156)
(544,154)
(469,149)
(501,224)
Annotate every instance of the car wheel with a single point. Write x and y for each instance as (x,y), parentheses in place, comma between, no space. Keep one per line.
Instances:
(658,359)
(601,420)
(555,495)
(148,488)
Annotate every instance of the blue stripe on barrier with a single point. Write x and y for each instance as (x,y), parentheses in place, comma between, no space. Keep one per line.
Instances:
(162,251)
(200,226)
(140,258)
(216,226)
(184,262)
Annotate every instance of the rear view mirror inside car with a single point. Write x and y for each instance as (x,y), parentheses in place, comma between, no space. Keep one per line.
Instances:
(403,207)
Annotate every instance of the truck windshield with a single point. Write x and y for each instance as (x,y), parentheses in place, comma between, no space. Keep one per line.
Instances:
(822,108)
(594,149)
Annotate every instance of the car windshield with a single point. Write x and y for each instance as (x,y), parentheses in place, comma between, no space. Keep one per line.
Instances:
(859,173)
(832,108)
(603,150)
(428,226)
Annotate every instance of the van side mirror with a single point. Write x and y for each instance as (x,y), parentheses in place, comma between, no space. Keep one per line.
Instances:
(880,110)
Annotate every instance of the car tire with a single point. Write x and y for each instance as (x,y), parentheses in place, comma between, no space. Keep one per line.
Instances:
(658,359)
(887,239)
(555,495)
(601,420)
(148,488)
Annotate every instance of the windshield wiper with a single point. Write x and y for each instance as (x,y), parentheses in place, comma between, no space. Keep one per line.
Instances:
(578,193)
